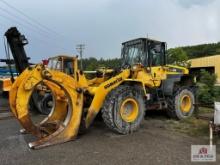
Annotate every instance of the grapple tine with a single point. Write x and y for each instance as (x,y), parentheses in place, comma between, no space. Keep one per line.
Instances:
(13,91)
(20,108)
(59,112)
(66,131)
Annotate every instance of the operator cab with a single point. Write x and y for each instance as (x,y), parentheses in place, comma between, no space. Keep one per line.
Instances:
(62,64)
(144,51)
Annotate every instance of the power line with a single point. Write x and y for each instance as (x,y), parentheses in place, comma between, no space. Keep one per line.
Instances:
(33,20)
(32,29)
(24,20)
(29,26)
(42,42)
(32,26)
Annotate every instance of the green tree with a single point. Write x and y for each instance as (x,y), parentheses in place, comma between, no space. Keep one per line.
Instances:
(202,50)
(177,56)
(93,63)
(207,91)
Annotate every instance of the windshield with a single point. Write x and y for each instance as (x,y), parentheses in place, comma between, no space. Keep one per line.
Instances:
(133,54)
(55,64)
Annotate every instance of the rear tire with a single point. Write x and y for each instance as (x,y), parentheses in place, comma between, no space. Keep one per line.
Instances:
(124,109)
(181,104)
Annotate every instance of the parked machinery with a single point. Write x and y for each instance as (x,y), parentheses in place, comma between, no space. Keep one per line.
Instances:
(143,82)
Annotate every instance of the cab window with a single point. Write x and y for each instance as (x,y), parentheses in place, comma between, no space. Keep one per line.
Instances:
(157,54)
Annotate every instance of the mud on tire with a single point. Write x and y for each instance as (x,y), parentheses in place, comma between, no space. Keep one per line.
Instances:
(111,108)
(174,103)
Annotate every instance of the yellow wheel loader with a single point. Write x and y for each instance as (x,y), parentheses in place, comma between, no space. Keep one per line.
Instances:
(143,82)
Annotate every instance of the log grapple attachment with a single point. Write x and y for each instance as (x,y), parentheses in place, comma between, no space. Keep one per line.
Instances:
(62,124)
(69,93)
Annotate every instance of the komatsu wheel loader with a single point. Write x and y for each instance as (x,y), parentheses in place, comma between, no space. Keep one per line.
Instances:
(143,82)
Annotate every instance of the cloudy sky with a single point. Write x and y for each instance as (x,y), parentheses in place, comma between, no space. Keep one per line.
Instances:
(55,27)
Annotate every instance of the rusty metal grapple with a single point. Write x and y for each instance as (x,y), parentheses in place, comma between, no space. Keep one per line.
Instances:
(63,122)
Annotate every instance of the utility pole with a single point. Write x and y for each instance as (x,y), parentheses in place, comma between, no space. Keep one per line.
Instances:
(80,48)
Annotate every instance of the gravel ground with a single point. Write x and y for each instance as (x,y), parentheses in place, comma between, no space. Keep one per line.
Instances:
(152,144)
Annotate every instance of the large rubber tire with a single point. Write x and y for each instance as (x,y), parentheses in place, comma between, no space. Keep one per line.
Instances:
(111,109)
(41,103)
(175,101)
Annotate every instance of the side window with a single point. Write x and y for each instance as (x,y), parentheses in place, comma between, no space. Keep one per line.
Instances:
(156,52)
(68,67)
(54,64)
(58,65)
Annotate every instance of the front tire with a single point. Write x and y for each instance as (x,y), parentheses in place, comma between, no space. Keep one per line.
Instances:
(181,104)
(43,103)
(124,109)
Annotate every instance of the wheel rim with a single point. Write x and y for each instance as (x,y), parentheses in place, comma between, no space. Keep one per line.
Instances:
(129,110)
(185,104)
(47,104)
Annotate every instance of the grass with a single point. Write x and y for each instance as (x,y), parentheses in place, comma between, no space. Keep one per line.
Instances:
(190,126)
(205,110)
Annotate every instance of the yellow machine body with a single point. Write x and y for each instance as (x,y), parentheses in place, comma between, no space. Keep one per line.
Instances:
(77,100)
(64,121)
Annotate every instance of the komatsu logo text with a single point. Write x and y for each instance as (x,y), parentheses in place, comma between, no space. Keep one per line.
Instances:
(113,83)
